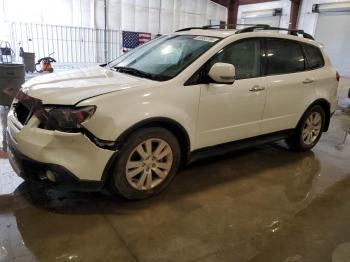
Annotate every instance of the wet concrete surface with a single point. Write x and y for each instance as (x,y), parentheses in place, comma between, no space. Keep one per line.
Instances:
(260,204)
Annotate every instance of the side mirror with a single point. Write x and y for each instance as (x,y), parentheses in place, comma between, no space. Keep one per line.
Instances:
(222,73)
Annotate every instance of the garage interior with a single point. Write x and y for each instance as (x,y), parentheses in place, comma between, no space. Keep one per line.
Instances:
(263,203)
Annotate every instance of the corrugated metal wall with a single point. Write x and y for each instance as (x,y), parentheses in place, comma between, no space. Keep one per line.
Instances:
(74,30)
(69,44)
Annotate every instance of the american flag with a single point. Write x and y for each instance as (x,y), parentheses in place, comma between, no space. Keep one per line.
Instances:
(133,39)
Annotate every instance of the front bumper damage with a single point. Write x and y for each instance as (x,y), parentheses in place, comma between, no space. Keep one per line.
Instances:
(69,159)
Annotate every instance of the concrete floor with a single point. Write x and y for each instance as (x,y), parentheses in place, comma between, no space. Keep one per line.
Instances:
(260,204)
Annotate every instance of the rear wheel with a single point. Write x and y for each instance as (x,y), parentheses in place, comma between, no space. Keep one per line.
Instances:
(146,164)
(309,130)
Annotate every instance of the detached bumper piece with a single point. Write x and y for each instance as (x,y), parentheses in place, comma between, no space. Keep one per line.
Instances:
(53,174)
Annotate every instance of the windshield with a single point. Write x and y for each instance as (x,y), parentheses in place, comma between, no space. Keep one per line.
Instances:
(164,57)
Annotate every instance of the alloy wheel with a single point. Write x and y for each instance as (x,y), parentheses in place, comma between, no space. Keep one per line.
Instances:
(312,128)
(149,163)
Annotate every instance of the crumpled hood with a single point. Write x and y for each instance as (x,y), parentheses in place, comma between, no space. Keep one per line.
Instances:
(70,87)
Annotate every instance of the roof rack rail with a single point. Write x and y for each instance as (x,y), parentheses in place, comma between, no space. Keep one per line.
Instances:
(226,26)
(188,28)
(267,27)
(251,28)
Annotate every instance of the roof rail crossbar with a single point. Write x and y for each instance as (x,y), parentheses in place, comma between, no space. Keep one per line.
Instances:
(295,32)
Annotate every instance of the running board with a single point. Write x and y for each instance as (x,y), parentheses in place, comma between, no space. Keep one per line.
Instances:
(237,145)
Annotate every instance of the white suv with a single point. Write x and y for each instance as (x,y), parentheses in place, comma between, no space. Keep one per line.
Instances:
(130,124)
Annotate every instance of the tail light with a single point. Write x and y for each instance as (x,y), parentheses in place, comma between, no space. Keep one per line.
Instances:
(337,76)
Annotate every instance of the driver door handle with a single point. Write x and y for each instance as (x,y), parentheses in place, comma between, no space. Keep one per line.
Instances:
(257,88)
(308,81)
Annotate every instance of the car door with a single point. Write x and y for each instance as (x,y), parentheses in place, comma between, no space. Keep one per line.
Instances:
(290,87)
(229,112)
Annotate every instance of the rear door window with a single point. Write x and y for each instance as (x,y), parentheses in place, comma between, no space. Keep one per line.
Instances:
(284,56)
(313,56)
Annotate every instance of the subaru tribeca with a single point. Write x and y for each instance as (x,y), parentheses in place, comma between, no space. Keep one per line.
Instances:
(130,124)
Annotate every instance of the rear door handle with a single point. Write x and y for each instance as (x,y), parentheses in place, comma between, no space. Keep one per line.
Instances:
(308,81)
(257,88)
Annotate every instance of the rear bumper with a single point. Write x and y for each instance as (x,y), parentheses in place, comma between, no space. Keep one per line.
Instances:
(71,157)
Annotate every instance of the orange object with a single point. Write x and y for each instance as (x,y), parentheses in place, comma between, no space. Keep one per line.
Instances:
(45,64)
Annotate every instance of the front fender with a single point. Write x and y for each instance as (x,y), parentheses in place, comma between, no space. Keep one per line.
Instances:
(117,112)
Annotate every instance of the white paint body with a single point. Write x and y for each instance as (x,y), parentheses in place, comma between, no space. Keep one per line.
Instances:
(211,114)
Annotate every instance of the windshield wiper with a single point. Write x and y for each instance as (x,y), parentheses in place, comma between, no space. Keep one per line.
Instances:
(139,73)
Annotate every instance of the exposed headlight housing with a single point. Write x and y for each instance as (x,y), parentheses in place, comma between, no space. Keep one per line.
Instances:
(68,119)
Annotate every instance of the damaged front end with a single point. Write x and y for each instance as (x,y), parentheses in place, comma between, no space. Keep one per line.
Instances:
(53,141)
(67,119)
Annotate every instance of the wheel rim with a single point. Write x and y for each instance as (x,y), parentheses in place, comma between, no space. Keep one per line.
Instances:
(312,128)
(149,164)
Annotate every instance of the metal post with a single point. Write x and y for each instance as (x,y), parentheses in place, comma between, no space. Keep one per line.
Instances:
(105,32)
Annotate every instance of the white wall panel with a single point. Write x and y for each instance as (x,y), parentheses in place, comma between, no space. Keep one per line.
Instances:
(307,20)
(189,6)
(222,12)
(284,4)
(336,42)
(201,20)
(155,16)
(153,21)
(128,15)
(189,19)
(154,3)
(17,10)
(269,20)
(201,7)
(331,29)
(177,14)
(167,4)
(167,21)
(113,14)
(142,3)
(215,12)
(167,16)
(99,20)
(141,18)
(56,12)
(211,10)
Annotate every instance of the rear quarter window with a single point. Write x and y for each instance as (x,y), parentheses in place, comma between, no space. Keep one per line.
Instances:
(313,56)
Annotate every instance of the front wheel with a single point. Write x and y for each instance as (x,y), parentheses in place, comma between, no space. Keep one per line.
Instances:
(146,164)
(309,130)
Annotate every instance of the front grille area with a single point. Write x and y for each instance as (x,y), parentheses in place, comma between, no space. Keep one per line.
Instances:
(22,113)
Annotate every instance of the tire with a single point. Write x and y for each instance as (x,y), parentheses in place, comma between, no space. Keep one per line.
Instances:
(299,141)
(130,162)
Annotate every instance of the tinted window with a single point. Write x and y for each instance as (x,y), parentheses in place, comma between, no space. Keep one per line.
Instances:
(244,55)
(284,57)
(313,56)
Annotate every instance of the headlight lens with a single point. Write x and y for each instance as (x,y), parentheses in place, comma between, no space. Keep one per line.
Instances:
(68,119)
